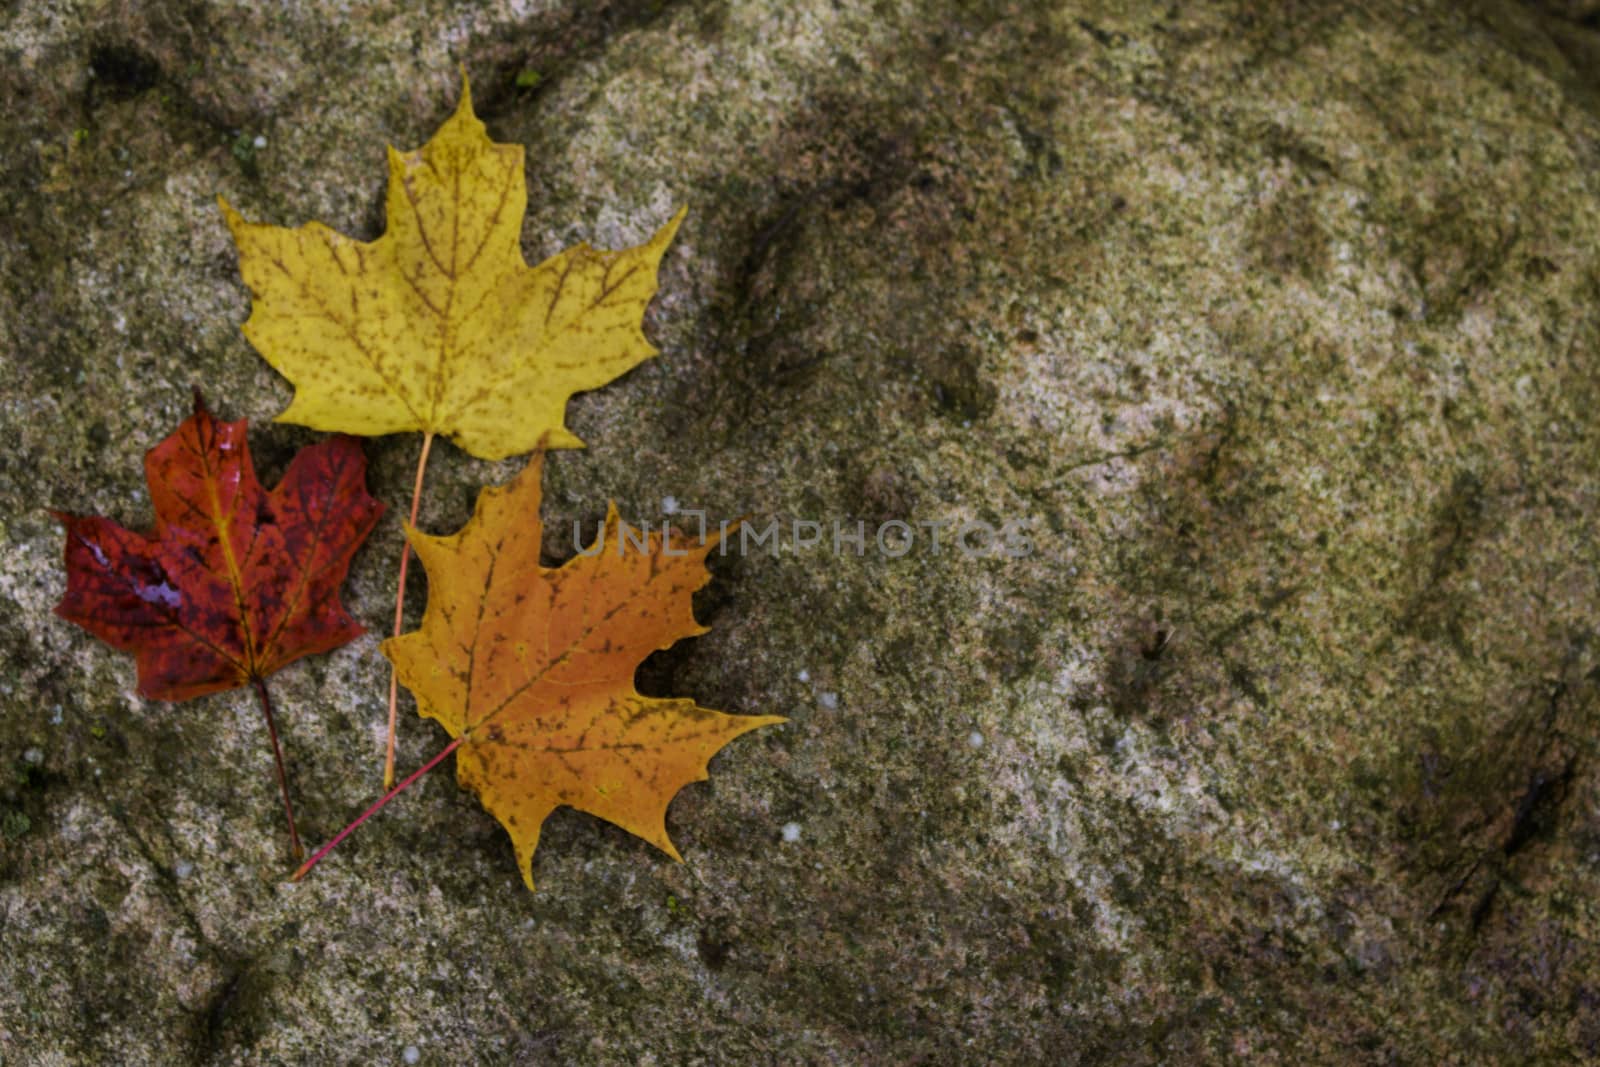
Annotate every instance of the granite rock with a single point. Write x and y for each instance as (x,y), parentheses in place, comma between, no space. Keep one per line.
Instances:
(1275,323)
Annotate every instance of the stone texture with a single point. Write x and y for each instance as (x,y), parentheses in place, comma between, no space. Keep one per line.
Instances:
(1279,320)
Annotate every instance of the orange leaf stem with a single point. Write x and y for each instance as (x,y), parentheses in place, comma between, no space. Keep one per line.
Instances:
(370,812)
(400,607)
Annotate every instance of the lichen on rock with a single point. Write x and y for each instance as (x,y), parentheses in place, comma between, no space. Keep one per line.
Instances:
(1277,323)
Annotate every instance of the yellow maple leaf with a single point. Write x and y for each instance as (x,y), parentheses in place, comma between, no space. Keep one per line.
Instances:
(439,325)
(531,669)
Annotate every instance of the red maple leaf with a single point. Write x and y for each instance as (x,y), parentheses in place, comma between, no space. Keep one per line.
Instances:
(235,582)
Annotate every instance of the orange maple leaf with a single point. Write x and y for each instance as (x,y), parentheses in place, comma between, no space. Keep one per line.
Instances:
(531,669)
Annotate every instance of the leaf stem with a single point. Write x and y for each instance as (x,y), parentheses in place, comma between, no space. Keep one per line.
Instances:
(277,756)
(370,812)
(400,607)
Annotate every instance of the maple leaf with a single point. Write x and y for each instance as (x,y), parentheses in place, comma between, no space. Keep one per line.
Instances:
(531,670)
(235,582)
(439,325)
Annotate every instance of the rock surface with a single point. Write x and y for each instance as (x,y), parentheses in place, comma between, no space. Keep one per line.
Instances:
(1278,321)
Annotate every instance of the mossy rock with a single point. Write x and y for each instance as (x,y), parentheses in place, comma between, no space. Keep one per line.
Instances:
(1278,323)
